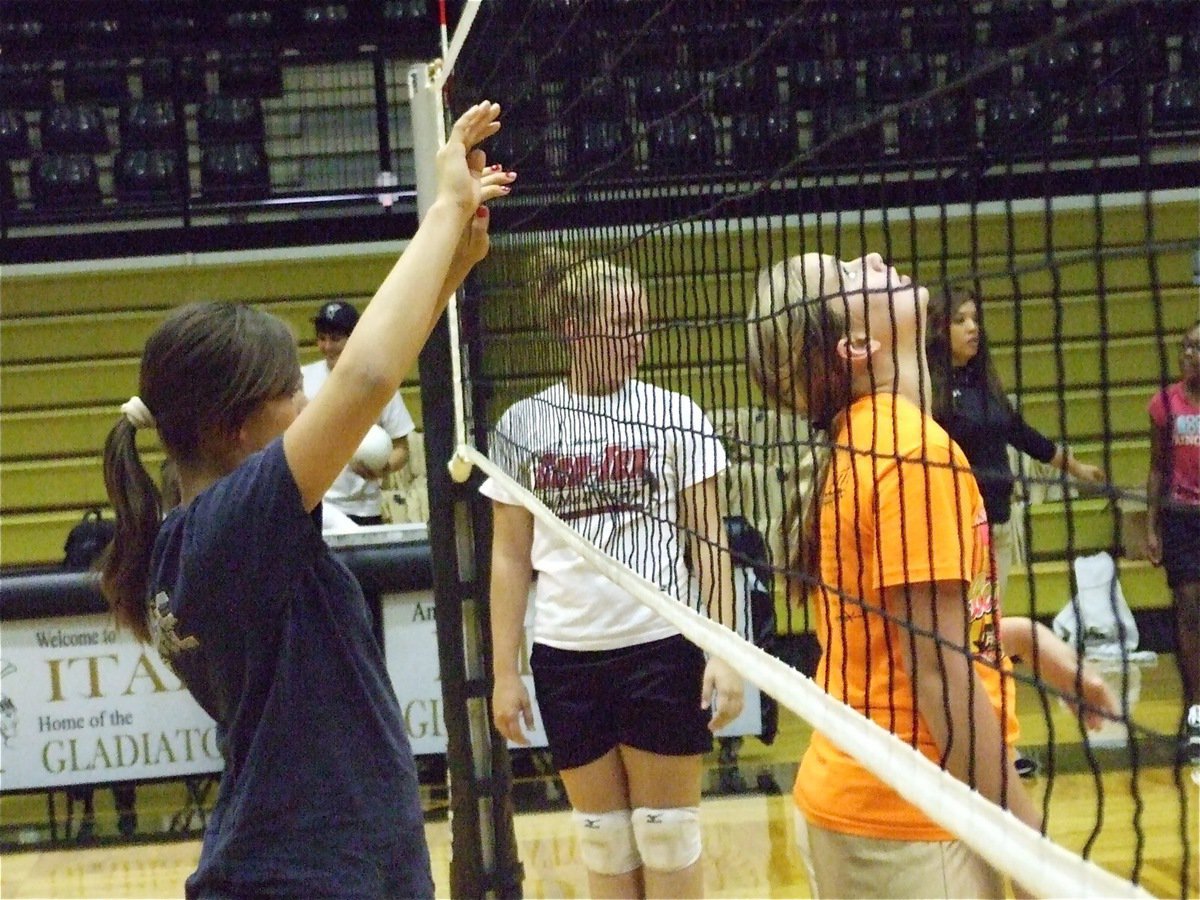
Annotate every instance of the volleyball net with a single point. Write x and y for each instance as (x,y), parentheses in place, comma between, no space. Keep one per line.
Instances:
(1034,156)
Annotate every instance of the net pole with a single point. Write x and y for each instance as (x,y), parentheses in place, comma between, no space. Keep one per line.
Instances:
(429,134)
(439,75)
(484,861)
(429,131)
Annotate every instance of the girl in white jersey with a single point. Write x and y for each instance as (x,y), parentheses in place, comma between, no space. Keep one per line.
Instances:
(624,697)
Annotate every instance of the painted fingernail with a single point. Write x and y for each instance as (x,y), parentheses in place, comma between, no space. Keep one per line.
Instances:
(505,188)
(481,212)
(496,167)
(511,174)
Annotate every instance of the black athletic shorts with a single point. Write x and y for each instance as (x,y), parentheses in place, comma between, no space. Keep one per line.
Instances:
(646,696)
(1180,530)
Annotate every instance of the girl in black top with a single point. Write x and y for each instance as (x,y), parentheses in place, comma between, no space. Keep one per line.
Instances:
(970,403)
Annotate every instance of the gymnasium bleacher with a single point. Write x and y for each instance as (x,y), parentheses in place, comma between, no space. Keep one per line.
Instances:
(59,394)
(71,330)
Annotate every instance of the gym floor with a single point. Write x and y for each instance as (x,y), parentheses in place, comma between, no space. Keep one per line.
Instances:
(746,815)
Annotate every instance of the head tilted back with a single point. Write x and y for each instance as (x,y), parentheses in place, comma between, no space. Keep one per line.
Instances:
(794,327)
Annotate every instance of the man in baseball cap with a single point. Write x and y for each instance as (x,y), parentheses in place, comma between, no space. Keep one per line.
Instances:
(357,491)
(334,321)
(336,315)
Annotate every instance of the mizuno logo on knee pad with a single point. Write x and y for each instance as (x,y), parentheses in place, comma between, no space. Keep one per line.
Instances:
(667,839)
(606,842)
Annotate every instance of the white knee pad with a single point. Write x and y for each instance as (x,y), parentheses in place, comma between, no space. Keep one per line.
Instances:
(606,842)
(667,839)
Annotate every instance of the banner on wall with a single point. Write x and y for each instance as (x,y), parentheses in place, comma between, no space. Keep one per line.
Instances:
(410,645)
(84,703)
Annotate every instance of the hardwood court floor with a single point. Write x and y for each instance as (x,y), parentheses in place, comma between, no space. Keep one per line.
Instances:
(748,837)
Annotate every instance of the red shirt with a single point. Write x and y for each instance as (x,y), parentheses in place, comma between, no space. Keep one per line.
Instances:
(1170,409)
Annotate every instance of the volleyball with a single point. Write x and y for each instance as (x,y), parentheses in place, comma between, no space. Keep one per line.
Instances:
(375,449)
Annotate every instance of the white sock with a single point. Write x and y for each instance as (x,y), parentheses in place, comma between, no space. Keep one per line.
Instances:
(1193,716)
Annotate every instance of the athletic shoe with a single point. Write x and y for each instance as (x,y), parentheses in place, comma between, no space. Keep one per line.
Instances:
(1025,766)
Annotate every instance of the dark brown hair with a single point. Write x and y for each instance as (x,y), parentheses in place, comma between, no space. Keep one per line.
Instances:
(943,306)
(205,369)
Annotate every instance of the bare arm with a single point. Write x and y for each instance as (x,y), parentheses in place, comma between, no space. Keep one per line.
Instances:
(512,542)
(476,247)
(1155,485)
(1054,661)
(397,321)
(1065,461)
(951,698)
(701,521)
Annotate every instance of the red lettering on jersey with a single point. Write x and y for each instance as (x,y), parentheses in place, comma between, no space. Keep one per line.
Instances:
(616,463)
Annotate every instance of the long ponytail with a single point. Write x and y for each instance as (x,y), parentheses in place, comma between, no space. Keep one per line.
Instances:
(138,505)
(204,370)
(793,331)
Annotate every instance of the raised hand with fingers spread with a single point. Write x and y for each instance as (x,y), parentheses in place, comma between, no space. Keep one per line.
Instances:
(460,170)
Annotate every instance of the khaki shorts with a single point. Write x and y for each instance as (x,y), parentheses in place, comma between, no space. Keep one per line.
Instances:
(846,865)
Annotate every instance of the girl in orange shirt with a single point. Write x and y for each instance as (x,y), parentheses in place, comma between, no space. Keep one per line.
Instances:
(895,555)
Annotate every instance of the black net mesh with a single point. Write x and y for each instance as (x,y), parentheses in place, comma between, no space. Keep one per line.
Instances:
(1033,159)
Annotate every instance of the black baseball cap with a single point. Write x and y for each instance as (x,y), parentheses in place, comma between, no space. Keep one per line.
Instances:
(336,316)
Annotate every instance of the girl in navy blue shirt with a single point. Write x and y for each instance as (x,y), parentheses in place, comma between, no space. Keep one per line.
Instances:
(238,591)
